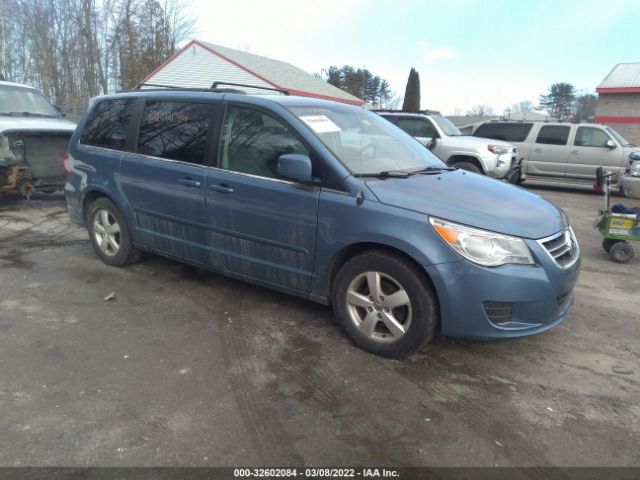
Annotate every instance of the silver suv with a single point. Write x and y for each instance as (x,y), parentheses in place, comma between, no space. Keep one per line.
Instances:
(567,153)
(438,134)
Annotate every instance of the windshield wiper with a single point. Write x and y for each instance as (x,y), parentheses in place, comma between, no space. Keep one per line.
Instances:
(431,169)
(27,114)
(386,174)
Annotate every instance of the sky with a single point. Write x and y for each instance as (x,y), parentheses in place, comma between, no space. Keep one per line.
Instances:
(467,52)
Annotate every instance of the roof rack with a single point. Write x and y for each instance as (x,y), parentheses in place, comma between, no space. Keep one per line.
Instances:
(285,92)
(425,112)
(157,87)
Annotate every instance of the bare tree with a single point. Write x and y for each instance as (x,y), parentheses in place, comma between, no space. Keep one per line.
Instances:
(523,106)
(481,111)
(75,49)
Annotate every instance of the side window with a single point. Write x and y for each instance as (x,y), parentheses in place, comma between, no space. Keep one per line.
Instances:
(417,127)
(107,124)
(508,132)
(174,130)
(252,142)
(591,137)
(553,135)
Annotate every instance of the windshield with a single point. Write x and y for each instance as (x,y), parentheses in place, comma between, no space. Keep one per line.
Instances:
(446,126)
(364,142)
(621,140)
(24,102)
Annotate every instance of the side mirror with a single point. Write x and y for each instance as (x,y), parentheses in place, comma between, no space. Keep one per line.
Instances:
(295,167)
(431,144)
(62,114)
(610,144)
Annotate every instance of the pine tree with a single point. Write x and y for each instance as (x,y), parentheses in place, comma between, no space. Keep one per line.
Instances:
(412,93)
(558,102)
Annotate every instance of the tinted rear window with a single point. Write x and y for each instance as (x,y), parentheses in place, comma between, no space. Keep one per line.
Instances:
(508,132)
(553,135)
(107,124)
(174,130)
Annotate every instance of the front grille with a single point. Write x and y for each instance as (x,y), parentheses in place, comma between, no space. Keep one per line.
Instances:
(562,247)
(499,312)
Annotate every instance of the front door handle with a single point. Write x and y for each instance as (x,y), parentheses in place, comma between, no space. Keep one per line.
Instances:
(221,188)
(189,182)
(575,152)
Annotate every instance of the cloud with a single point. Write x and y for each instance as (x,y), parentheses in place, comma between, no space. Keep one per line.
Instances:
(440,53)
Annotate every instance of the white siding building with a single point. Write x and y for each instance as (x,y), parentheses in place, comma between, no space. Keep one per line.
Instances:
(200,64)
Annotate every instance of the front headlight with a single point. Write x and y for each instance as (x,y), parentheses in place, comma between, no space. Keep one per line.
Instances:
(481,246)
(634,171)
(498,149)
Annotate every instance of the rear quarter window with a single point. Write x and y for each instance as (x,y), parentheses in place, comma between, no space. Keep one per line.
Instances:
(553,135)
(507,132)
(107,124)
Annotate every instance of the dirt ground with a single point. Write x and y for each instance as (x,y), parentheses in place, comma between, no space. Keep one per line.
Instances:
(185,367)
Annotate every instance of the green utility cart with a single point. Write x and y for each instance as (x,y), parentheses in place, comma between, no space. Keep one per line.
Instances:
(617,229)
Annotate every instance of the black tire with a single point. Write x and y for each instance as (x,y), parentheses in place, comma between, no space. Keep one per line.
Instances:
(468,166)
(420,316)
(607,243)
(126,254)
(621,252)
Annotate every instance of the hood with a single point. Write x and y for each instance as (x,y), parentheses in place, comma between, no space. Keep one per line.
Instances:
(473,200)
(24,124)
(476,142)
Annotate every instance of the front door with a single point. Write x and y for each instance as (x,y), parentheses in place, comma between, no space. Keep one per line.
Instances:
(422,130)
(590,151)
(548,155)
(164,179)
(270,229)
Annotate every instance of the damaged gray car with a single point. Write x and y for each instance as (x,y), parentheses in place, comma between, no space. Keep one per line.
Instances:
(33,141)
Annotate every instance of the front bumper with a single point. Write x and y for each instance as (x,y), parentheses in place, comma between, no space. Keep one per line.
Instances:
(540,296)
(630,186)
(504,164)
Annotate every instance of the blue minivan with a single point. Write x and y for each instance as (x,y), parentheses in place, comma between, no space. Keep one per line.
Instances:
(325,201)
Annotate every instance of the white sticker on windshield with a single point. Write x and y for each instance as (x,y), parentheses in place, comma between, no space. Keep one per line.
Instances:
(320,123)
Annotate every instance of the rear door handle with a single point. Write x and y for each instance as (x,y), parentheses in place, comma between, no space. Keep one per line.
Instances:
(221,188)
(538,150)
(189,182)
(575,152)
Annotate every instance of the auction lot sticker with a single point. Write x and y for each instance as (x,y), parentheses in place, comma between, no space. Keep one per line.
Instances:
(320,123)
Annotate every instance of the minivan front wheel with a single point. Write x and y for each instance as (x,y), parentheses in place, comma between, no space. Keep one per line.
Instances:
(384,304)
(109,234)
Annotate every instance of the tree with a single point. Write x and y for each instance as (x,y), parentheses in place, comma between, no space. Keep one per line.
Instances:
(412,92)
(75,49)
(523,106)
(584,109)
(360,83)
(481,111)
(559,100)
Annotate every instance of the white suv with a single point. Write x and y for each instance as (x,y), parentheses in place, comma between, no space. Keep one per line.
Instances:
(33,141)
(438,134)
(566,153)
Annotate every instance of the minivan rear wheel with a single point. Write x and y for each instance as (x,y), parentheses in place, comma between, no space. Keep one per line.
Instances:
(384,304)
(109,234)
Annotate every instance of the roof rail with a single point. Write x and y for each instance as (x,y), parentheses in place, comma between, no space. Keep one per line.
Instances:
(285,92)
(425,112)
(156,86)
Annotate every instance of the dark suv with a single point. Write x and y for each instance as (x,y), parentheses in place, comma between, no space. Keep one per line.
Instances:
(322,200)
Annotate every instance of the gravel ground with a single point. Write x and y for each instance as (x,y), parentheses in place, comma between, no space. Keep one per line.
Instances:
(185,367)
